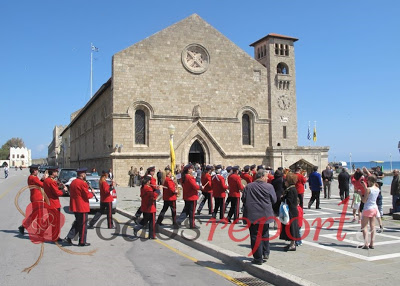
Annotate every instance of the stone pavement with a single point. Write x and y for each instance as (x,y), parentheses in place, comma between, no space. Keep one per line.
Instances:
(321,260)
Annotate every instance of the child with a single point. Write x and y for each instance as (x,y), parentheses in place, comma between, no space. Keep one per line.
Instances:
(299,221)
(355,205)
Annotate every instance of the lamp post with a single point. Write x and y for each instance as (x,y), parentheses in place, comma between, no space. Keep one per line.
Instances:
(351,165)
(171,131)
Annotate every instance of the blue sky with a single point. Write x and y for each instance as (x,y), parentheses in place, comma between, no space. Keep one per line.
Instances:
(347,60)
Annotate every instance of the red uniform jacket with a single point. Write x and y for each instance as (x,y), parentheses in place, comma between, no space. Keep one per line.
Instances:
(357,184)
(235,185)
(219,186)
(301,180)
(270,178)
(50,187)
(105,195)
(254,172)
(36,194)
(190,188)
(79,196)
(153,183)
(247,177)
(206,177)
(148,197)
(169,193)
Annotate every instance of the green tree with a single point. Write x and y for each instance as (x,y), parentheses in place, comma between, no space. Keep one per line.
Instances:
(5,149)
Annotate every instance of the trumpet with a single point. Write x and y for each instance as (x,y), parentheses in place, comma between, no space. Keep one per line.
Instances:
(91,189)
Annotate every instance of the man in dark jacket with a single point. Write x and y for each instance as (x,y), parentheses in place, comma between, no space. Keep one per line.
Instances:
(258,198)
(344,184)
(395,191)
(315,182)
(327,176)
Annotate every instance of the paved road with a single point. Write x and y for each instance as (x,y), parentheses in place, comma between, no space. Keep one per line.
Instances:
(121,260)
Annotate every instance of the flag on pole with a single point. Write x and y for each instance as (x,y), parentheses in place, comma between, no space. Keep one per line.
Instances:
(315,134)
(94,49)
(171,147)
(309,132)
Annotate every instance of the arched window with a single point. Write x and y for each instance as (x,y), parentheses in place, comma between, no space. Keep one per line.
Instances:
(282,68)
(140,127)
(246,130)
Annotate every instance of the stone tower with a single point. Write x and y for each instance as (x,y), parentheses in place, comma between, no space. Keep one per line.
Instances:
(276,53)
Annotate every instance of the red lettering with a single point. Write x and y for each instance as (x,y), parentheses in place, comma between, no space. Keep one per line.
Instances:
(342,219)
(320,225)
(231,230)
(261,222)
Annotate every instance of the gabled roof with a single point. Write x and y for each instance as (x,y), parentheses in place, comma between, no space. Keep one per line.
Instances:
(272,35)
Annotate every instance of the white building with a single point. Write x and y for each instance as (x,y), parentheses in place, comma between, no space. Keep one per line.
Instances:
(20,157)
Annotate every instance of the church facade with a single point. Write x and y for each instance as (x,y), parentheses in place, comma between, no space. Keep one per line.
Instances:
(226,107)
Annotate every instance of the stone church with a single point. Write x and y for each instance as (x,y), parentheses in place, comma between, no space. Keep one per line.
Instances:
(226,106)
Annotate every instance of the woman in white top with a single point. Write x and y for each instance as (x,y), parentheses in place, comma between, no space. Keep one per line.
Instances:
(370,210)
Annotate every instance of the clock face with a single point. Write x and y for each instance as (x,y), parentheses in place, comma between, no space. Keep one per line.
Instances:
(195,58)
(283,102)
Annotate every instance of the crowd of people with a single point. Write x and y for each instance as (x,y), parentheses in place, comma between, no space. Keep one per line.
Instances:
(259,189)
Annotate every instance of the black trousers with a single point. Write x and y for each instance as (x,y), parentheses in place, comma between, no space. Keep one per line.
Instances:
(149,218)
(234,210)
(314,197)
(103,208)
(172,206)
(79,226)
(344,193)
(208,197)
(219,205)
(301,198)
(257,234)
(188,210)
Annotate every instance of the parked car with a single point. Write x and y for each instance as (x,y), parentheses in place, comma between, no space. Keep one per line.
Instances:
(93,182)
(42,168)
(64,175)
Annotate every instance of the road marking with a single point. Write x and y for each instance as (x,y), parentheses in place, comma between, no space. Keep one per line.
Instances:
(229,278)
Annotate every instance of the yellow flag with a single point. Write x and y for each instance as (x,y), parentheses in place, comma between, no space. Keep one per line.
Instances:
(315,134)
(171,147)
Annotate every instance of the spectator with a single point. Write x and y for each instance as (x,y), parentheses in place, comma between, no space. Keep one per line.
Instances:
(344,184)
(395,191)
(315,182)
(258,198)
(290,197)
(327,177)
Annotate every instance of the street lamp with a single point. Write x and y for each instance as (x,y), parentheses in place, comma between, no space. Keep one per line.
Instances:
(171,131)
(351,165)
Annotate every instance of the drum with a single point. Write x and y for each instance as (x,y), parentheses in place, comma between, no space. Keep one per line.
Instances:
(244,182)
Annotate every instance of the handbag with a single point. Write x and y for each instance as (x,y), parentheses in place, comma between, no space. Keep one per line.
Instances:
(284,213)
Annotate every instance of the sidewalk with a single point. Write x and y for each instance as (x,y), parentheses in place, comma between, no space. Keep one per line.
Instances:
(326,261)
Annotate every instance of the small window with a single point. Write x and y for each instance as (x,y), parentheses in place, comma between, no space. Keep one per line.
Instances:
(140,127)
(276,49)
(246,130)
(284,132)
(282,68)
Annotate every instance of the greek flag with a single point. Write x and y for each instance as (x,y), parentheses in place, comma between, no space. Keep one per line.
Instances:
(94,49)
(309,133)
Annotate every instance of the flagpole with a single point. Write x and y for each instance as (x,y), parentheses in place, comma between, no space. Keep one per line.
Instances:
(91,70)
(309,135)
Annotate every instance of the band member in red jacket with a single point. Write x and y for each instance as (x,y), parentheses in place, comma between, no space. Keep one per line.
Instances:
(79,204)
(106,200)
(148,207)
(235,187)
(301,181)
(207,190)
(219,189)
(51,188)
(153,183)
(253,171)
(245,174)
(36,196)
(190,196)
(169,197)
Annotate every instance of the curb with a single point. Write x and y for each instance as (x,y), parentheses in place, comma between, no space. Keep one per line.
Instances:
(264,272)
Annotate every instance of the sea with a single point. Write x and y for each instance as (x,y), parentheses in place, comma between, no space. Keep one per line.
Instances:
(386,166)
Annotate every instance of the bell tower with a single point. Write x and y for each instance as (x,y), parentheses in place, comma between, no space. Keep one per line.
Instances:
(276,53)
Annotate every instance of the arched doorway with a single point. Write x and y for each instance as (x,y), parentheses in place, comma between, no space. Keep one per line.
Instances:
(196,153)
